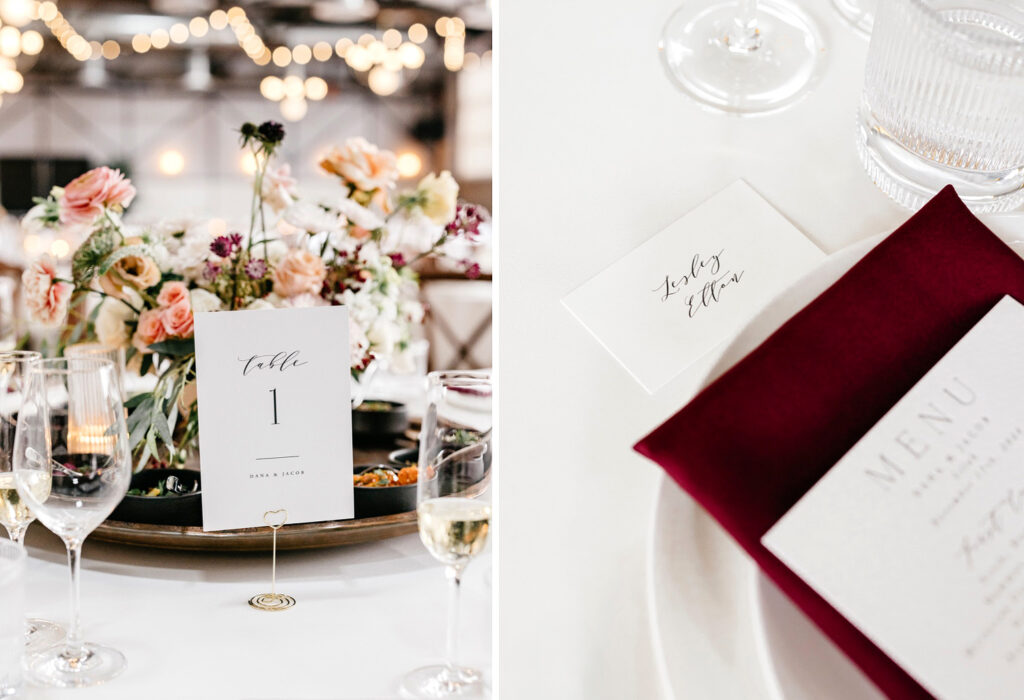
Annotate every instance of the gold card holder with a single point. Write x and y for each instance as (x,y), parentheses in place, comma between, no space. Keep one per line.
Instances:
(274,519)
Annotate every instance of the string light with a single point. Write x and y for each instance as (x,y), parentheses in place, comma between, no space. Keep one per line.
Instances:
(171,162)
(417,33)
(408,164)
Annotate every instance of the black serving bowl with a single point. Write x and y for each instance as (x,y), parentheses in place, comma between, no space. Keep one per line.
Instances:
(372,501)
(185,510)
(405,457)
(375,418)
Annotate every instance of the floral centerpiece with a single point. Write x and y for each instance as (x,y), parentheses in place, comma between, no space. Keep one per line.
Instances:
(356,248)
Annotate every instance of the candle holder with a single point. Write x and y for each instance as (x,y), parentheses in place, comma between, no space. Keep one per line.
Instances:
(274,519)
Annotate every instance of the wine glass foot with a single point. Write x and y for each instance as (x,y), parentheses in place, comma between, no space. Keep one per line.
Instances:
(42,634)
(442,681)
(57,668)
(777,67)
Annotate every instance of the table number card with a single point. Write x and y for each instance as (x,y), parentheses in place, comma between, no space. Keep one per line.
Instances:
(275,421)
(917,534)
(684,291)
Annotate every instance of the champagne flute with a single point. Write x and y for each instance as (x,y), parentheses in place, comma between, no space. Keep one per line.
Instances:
(742,56)
(453,507)
(72,465)
(15,514)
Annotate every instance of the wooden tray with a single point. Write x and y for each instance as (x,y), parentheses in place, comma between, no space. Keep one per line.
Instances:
(332,533)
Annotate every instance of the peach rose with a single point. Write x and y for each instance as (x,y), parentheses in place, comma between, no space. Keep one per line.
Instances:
(150,330)
(87,195)
(47,299)
(137,271)
(299,272)
(362,165)
(178,319)
(171,293)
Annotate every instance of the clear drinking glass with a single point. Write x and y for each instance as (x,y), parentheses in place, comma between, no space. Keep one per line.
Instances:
(742,56)
(12,616)
(454,510)
(859,14)
(15,514)
(99,350)
(72,465)
(943,101)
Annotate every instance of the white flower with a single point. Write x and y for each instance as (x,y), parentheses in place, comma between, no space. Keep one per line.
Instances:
(411,233)
(279,188)
(113,317)
(183,246)
(358,214)
(412,310)
(439,195)
(384,335)
(275,250)
(302,301)
(358,343)
(312,217)
(203,300)
(369,255)
(258,304)
(402,362)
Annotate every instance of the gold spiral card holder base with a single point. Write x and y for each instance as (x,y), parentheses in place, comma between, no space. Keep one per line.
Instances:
(273,600)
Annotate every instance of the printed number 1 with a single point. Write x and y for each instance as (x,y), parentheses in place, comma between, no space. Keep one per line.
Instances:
(274,392)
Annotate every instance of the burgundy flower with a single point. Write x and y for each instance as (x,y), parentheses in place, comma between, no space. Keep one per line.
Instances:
(211,271)
(256,269)
(224,246)
(397,259)
(466,223)
(472,269)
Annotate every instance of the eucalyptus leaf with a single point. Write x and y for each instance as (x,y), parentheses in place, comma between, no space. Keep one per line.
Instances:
(179,347)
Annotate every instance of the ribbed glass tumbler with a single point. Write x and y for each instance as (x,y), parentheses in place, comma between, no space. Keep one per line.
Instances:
(943,101)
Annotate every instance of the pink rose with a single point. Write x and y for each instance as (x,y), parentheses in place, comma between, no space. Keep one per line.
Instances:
(150,330)
(299,272)
(47,299)
(86,196)
(178,319)
(362,165)
(171,293)
(279,188)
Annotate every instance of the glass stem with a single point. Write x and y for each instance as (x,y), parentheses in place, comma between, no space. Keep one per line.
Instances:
(73,647)
(17,534)
(744,36)
(454,574)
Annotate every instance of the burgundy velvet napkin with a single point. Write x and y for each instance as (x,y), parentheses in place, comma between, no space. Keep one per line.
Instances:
(753,442)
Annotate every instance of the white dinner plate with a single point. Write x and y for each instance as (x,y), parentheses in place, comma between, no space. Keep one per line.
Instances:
(700,579)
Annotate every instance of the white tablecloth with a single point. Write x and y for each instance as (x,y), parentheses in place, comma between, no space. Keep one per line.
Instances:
(598,152)
(364,615)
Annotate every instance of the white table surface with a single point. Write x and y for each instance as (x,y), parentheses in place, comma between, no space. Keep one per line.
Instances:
(364,615)
(598,152)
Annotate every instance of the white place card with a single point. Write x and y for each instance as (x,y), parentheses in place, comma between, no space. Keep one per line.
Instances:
(917,534)
(688,288)
(275,418)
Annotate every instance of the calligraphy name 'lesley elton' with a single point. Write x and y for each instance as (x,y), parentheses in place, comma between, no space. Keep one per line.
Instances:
(279,361)
(711,291)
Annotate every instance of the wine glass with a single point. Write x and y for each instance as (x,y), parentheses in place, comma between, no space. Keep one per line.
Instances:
(107,352)
(742,56)
(859,14)
(453,507)
(72,465)
(15,514)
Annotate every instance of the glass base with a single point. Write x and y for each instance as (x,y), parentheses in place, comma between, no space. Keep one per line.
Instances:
(42,634)
(56,669)
(859,14)
(911,180)
(779,67)
(442,682)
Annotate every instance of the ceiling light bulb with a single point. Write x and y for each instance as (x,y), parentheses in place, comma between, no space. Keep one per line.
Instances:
(294,109)
(171,162)
(272,88)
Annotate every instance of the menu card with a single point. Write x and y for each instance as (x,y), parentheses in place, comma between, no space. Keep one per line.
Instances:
(917,534)
(275,417)
(687,289)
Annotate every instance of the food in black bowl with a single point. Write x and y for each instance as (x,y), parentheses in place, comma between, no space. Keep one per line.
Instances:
(375,418)
(384,490)
(162,497)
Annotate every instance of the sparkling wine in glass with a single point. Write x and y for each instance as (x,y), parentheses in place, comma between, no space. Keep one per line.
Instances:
(742,56)
(453,508)
(72,445)
(15,515)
